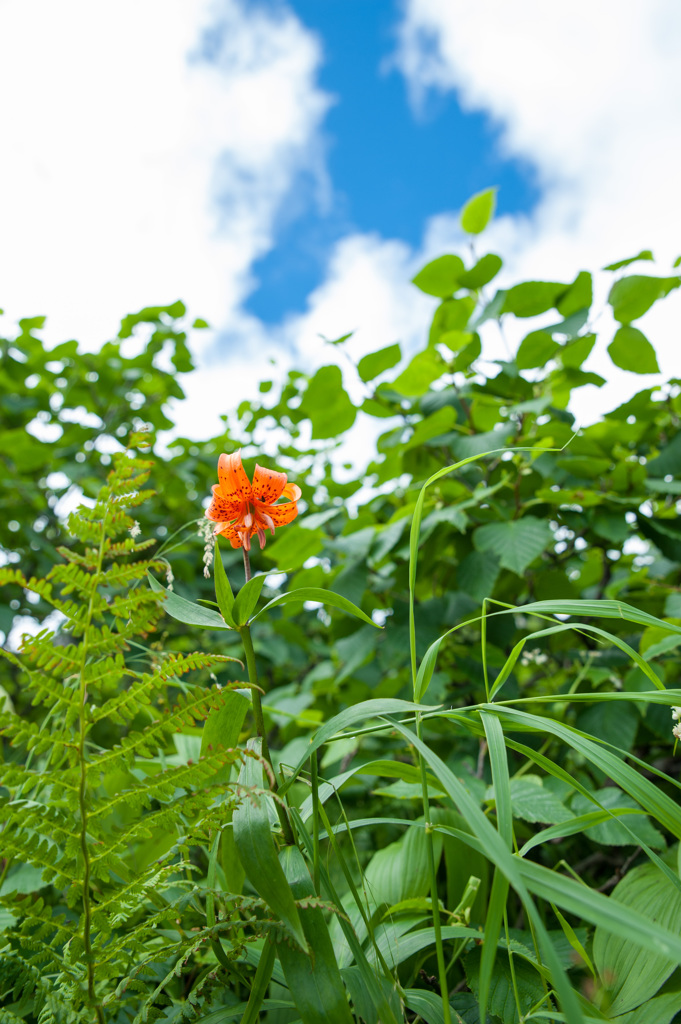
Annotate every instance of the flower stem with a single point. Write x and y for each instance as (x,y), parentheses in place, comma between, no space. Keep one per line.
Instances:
(284,820)
(247,564)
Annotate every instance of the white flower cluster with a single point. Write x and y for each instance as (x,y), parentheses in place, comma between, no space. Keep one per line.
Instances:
(534,657)
(205,530)
(135,529)
(676,715)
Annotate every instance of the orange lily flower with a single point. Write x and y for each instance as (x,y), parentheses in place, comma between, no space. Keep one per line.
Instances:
(241,509)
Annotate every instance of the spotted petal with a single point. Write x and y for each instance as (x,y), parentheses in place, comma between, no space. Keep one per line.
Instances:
(292,492)
(281,514)
(221,510)
(234,482)
(268,485)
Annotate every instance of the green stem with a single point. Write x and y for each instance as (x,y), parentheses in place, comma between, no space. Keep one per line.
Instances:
(437,927)
(82,786)
(245,632)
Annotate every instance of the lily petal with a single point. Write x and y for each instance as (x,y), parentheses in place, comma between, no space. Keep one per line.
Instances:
(220,509)
(282,514)
(268,485)
(234,482)
(292,492)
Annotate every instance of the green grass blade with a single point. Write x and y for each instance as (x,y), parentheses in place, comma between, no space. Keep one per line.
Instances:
(260,982)
(652,800)
(499,894)
(493,847)
(367,709)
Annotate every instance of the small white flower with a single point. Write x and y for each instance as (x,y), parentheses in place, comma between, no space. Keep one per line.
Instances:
(676,713)
(205,531)
(135,529)
(676,731)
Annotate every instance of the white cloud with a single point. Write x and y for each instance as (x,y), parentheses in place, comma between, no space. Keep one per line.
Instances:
(135,170)
(591,97)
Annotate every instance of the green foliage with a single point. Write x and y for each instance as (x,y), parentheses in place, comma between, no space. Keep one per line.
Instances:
(519,840)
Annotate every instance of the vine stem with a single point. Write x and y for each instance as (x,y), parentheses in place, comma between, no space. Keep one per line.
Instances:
(437,927)
(82,786)
(284,819)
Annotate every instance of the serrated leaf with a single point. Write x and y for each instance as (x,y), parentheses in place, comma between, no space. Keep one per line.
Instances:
(613,833)
(517,542)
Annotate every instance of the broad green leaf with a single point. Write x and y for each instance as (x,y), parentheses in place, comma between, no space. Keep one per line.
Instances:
(441,277)
(478,211)
(631,297)
(578,296)
(325,597)
(661,1009)
(313,978)
(645,254)
(428,1005)
(417,377)
(535,350)
(292,547)
(431,427)
(478,573)
(401,870)
(516,542)
(631,350)
(186,611)
(327,405)
(533,297)
(375,363)
(531,801)
(223,588)
(247,599)
(224,723)
(254,843)
(450,315)
(482,273)
(502,1000)
(633,975)
(612,832)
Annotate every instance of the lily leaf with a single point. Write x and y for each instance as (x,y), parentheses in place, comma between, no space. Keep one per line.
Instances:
(327,597)
(186,611)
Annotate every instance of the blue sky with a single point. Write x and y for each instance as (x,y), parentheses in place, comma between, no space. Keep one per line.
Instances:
(391,164)
(264,161)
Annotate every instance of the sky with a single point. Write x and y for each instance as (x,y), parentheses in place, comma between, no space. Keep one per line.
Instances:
(286,166)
